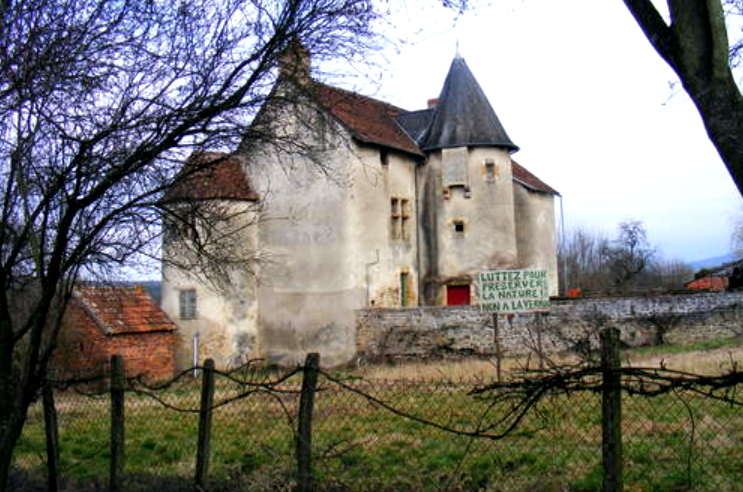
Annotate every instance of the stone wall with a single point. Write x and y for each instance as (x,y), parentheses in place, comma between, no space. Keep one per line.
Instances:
(570,325)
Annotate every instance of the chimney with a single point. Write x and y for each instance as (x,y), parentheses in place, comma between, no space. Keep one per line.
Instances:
(294,62)
(433,102)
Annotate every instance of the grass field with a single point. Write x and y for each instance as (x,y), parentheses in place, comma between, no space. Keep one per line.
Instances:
(676,442)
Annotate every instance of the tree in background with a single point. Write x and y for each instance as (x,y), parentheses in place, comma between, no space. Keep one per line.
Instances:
(696,46)
(100,103)
(594,263)
(579,256)
(629,256)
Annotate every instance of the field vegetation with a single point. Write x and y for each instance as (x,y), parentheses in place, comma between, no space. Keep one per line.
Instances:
(675,442)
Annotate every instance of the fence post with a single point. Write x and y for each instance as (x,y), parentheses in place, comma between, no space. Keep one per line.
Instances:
(498,350)
(116,469)
(611,411)
(304,430)
(540,348)
(205,424)
(51,429)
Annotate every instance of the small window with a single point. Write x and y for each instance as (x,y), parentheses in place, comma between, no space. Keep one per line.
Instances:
(459,226)
(187,303)
(403,289)
(384,157)
(322,131)
(400,219)
(490,171)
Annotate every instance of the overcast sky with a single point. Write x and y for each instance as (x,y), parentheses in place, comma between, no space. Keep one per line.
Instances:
(579,89)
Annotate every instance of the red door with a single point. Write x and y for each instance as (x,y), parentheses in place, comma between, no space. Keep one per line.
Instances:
(457,295)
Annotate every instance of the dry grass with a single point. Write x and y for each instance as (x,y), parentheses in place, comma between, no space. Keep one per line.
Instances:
(452,370)
(707,361)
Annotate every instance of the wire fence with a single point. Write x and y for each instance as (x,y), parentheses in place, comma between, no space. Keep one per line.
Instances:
(375,435)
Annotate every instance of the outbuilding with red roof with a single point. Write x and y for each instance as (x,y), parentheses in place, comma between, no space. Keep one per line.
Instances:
(105,320)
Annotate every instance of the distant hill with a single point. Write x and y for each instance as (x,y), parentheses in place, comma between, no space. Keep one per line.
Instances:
(153,288)
(714,261)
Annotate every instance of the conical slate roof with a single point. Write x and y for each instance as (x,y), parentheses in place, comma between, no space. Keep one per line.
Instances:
(463,116)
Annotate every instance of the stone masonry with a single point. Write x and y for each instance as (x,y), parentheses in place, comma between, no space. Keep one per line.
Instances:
(441,332)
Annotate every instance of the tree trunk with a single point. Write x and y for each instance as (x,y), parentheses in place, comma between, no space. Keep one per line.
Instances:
(10,432)
(720,104)
(695,45)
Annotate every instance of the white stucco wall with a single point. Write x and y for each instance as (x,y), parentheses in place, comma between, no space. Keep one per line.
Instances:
(535,232)
(484,206)
(384,258)
(326,234)
(227,316)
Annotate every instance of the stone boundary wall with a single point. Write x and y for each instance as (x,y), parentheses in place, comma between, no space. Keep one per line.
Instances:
(440,332)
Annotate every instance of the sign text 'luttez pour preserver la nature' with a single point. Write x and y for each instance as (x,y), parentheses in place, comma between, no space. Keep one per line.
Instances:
(514,291)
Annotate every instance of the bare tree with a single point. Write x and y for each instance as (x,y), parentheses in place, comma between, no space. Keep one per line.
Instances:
(597,264)
(695,44)
(580,255)
(669,274)
(100,102)
(628,256)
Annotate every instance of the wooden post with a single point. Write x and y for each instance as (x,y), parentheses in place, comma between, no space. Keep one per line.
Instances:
(498,353)
(205,424)
(304,430)
(611,408)
(540,349)
(51,429)
(116,469)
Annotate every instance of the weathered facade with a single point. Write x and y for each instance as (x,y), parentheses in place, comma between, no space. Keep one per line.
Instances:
(366,205)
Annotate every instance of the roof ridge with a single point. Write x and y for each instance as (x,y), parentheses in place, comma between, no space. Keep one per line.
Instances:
(368,120)
(536,183)
(358,94)
(91,311)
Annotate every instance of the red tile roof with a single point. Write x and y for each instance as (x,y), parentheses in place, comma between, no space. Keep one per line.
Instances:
(369,120)
(527,179)
(213,176)
(118,310)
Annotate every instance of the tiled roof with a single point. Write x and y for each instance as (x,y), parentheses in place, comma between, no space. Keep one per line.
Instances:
(527,179)
(223,180)
(118,310)
(369,120)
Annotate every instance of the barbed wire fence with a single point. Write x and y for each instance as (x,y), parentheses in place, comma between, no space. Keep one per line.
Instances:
(590,426)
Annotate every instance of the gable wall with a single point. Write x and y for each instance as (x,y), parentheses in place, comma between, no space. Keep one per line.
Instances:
(535,232)
(226,321)
(309,282)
